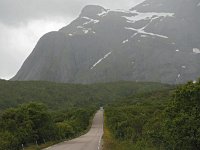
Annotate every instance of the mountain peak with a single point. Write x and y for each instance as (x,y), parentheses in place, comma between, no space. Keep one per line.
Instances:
(92,10)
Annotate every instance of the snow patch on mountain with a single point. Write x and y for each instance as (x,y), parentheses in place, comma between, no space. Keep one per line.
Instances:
(146,16)
(183,67)
(196,50)
(90,20)
(86,30)
(103,13)
(125,41)
(143,16)
(101,60)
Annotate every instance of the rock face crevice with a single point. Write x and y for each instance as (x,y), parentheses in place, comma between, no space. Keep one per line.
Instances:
(157,41)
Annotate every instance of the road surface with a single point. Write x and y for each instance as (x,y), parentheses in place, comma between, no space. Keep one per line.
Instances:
(89,141)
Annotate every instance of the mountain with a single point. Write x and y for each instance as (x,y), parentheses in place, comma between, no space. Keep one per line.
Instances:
(157,40)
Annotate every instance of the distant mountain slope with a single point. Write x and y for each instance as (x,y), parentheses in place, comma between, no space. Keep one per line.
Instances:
(157,40)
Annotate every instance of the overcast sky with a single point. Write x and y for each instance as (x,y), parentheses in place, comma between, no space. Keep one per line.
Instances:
(23,22)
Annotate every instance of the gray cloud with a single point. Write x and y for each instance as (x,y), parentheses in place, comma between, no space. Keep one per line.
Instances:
(17,11)
(16,43)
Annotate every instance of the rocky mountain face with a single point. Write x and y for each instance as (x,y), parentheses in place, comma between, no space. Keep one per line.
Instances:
(157,40)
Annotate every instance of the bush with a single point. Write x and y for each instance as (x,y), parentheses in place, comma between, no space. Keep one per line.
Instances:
(181,127)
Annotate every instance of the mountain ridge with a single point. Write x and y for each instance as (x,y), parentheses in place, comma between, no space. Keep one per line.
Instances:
(104,45)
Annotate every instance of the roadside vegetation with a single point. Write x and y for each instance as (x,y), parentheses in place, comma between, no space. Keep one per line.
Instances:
(34,123)
(162,120)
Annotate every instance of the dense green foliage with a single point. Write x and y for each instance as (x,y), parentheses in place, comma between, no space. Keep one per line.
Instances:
(32,122)
(62,96)
(129,120)
(160,120)
(66,108)
(181,126)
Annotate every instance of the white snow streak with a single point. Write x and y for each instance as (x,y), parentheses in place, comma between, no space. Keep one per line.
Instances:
(125,41)
(90,21)
(101,60)
(143,32)
(198,4)
(86,18)
(134,35)
(121,11)
(103,13)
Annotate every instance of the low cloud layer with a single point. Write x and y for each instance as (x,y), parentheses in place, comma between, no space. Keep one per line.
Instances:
(23,22)
(16,11)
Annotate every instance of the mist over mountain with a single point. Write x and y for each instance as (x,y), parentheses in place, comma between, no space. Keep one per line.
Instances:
(157,40)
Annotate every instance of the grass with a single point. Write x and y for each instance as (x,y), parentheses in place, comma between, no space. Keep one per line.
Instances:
(108,142)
